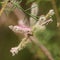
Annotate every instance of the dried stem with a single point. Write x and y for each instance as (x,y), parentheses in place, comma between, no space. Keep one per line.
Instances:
(56,11)
(19,13)
(3,6)
(42,47)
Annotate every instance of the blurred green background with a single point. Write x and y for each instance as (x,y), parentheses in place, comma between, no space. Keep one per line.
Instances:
(50,37)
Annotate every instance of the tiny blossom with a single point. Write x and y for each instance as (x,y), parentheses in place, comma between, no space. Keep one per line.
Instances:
(34,8)
(41,19)
(14,50)
(47,21)
(25,28)
(51,12)
(22,45)
(34,12)
(11,26)
(21,27)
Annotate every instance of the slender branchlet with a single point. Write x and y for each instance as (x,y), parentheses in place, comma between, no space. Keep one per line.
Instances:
(3,6)
(21,45)
(42,47)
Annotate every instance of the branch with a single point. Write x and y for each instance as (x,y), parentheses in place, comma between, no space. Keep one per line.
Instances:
(19,13)
(42,47)
(3,6)
(56,12)
(21,45)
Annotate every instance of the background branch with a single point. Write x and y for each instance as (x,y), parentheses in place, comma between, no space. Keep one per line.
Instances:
(42,47)
(56,12)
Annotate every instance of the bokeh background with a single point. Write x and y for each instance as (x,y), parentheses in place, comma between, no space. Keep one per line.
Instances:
(50,37)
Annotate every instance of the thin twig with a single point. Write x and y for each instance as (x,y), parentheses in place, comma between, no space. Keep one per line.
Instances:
(56,12)
(42,47)
(3,6)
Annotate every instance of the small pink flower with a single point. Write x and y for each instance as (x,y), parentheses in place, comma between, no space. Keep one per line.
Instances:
(14,50)
(23,27)
(20,28)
